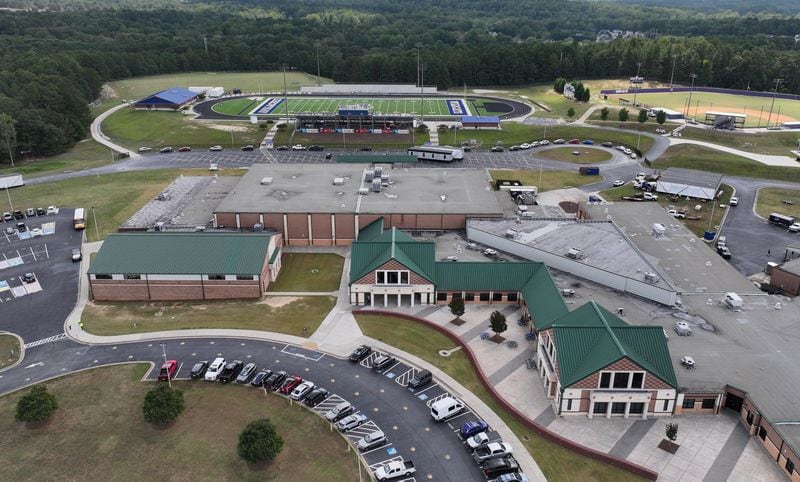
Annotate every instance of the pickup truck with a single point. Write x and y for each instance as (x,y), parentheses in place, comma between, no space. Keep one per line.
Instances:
(491,451)
(395,469)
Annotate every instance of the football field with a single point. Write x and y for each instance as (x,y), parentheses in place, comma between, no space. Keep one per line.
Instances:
(393,106)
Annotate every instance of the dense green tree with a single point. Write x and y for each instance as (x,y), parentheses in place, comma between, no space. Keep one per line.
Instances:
(162,405)
(623,115)
(8,136)
(259,441)
(456,306)
(497,321)
(37,405)
(604,113)
(661,117)
(642,117)
(571,112)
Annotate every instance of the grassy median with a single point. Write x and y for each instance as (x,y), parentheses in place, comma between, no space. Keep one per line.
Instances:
(98,433)
(773,200)
(319,272)
(556,462)
(707,159)
(280,314)
(9,350)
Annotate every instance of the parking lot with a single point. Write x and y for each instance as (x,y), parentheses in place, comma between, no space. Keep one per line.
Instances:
(35,308)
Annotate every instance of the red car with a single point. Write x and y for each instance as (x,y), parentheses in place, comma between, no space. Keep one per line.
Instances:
(168,370)
(574,141)
(290,384)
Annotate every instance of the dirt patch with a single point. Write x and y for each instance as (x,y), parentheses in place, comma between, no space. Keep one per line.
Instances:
(278,301)
(106,92)
(457,321)
(227,128)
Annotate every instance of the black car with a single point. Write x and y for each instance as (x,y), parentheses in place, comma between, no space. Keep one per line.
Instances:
(282,148)
(246,373)
(316,148)
(607,144)
(383,362)
(198,370)
(258,380)
(21,227)
(231,371)
(466,149)
(360,353)
(422,378)
(366,149)
(494,468)
(19,214)
(29,277)
(497,149)
(41,211)
(247,148)
(315,397)
(279,378)
(328,155)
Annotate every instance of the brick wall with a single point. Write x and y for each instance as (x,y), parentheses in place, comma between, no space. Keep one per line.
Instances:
(651,382)
(790,283)
(413,278)
(137,290)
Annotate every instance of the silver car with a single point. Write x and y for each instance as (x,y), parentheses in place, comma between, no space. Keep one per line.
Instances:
(371,441)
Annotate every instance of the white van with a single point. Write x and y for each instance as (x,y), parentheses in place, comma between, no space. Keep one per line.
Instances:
(445,408)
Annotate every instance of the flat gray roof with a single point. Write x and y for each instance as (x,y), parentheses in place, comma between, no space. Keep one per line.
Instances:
(309,188)
(691,177)
(603,245)
(754,350)
(792,266)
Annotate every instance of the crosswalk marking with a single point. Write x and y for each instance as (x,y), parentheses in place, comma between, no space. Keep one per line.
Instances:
(43,341)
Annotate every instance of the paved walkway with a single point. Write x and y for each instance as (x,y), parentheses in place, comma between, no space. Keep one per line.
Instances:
(762,158)
(712,447)
(97,133)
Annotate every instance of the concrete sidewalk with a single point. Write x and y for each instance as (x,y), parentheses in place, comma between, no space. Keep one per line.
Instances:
(97,132)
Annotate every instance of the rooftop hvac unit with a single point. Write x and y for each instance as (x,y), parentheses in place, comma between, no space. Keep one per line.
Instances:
(511,234)
(266,181)
(574,253)
(385,177)
(378,171)
(522,209)
(650,277)
(159,226)
(376,185)
(258,227)
(369,175)
(338,181)
(363,191)
(659,230)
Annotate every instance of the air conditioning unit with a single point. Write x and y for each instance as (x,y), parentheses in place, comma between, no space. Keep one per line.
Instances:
(369,175)
(363,191)
(376,185)
(574,253)
(266,181)
(650,277)
(338,181)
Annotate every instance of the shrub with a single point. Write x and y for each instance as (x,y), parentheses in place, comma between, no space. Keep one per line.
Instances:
(162,405)
(571,113)
(37,405)
(498,322)
(623,115)
(259,442)
(672,431)
(604,113)
(456,306)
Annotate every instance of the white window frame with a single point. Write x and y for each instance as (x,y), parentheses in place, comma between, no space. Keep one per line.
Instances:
(400,274)
(630,380)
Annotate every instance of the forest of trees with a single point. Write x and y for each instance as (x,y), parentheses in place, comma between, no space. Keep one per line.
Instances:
(53,63)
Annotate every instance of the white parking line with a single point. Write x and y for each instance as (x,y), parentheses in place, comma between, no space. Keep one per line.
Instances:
(465,412)
(425,390)
(384,462)
(382,447)
(177,371)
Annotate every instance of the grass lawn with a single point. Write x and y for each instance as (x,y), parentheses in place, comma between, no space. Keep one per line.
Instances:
(556,462)
(774,143)
(9,350)
(115,196)
(280,314)
(770,200)
(100,413)
(156,129)
(551,180)
(515,133)
(84,155)
(697,226)
(706,159)
(588,155)
(309,272)
(240,106)
(283,137)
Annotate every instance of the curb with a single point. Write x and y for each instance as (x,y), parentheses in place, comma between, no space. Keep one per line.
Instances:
(519,416)
(21,351)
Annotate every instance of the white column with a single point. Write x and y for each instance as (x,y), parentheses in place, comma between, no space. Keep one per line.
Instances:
(591,408)
(385,300)
(608,410)
(372,300)
(310,232)
(285,229)
(333,229)
(627,409)
(412,299)
(399,297)
(238,224)
(261,218)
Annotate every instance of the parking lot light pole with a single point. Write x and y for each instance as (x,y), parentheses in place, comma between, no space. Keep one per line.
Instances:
(96,231)
(691,90)
(164,352)
(9,200)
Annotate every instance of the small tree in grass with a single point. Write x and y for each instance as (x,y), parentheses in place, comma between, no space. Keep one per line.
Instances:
(623,115)
(37,405)
(162,405)
(456,306)
(661,117)
(642,118)
(604,113)
(498,322)
(672,431)
(571,113)
(259,442)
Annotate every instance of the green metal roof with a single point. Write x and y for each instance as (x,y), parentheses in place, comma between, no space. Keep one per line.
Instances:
(376,158)
(591,338)
(366,256)
(542,297)
(182,253)
(371,231)
(486,276)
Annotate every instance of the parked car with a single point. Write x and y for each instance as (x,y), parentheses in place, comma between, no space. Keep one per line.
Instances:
(41,211)
(497,149)
(247,372)
(76,255)
(394,469)
(316,148)
(248,148)
(29,277)
(574,141)
(231,371)
(725,253)
(473,428)
(274,381)
(512,477)
(21,227)
(214,369)
(215,148)
(258,379)
(676,214)
(633,155)
(30,212)
(794,228)
(18,214)
(366,149)
(282,148)
(382,362)
(144,149)
(372,440)
(165,150)
(422,378)
(491,450)
(734,201)
(607,144)
(496,467)
(300,391)
(8,217)
(588,142)
(168,370)
(316,397)
(544,142)
(477,440)
(298,147)
(619,182)
(52,210)
(185,149)
(290,384)
(338,412)
(351,421)
(513,148)
(36,232)
(198,370)
(328,155)
(445,408)
(559,141)
(9,231)
(360,353)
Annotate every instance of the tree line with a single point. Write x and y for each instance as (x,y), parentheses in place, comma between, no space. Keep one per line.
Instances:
(53,64)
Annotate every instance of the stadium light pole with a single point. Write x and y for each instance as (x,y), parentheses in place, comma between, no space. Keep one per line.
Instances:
(638,68)
(422,93)
(319,80)
(691,90)
(672,75)
(285,94)
(774,94)
(418,45)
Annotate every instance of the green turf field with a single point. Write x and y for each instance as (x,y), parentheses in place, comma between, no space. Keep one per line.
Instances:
(437,107)
(756,108)
(241,106)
